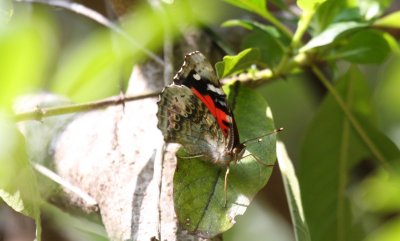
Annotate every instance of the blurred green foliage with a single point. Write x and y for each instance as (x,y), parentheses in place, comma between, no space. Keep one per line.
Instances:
(353,43)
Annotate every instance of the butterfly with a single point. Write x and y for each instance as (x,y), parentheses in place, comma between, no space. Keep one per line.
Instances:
(193,111)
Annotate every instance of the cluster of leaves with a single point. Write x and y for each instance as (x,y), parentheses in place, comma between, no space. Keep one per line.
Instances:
(343,132)
(337,31)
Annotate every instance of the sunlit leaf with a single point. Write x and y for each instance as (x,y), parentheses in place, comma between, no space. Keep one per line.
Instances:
(309,8)
(293,194)
(307,5)
(18,187)
(392,42)
(232,64)
(390,21)
(199,186)
(26,46)
(373,8)
(332,33)
(388,231)
(89,70)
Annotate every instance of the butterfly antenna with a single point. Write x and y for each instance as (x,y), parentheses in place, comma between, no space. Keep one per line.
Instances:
(258,139)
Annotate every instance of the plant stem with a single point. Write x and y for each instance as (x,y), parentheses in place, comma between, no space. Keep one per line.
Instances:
(40,113)
(271,18)
(302,26)
(353,121)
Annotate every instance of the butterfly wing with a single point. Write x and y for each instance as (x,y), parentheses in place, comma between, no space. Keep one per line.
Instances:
(196,63)
(198,75)
(183,118)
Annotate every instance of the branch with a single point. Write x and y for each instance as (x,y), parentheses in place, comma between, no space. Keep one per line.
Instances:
(40,113)
(261,76)
(89,201)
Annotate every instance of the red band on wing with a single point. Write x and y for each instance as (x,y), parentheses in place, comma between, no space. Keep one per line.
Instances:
(218,114)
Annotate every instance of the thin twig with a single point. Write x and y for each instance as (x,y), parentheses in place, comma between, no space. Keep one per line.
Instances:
(260,75)
(97,17)
(40,113)
(89,201)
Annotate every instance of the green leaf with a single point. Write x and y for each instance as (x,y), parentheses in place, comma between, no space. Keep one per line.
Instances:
(388,231)
(199,185)
(330,150)
(93,64)
(348,14)
(373,8)
(271,51)
(386,147)
(267,39)
(392,42)
(293,194)
(18,187)
(380,193)
(329,12)
(387,98)
(233,64)
(24,45)
(251,25)
(307,5)
(255,6)
(332,33)
(77,227)
(364,47)
(389,21)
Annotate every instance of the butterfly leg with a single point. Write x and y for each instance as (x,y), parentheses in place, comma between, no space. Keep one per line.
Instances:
(258,160)
(226,185)
(191,157)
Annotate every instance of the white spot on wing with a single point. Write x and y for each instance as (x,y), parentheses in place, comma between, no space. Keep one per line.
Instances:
(196,76)
(216,90)
(221,103)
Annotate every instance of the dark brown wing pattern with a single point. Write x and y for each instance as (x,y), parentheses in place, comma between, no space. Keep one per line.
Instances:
(184,119)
